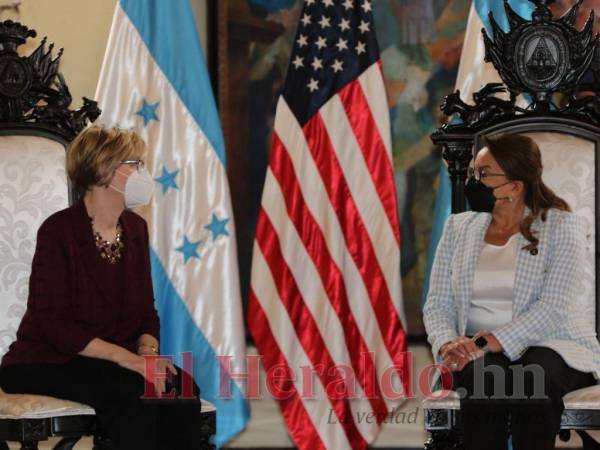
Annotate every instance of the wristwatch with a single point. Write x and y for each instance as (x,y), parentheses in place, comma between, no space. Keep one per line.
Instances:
(482,344)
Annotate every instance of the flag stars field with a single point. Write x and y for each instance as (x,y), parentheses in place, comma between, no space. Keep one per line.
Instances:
(167,180)
(148,111)
(330,37)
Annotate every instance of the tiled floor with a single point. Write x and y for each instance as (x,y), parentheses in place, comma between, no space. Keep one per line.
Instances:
(266,428)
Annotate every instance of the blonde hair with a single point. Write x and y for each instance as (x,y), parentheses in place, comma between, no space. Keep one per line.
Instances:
(97,152)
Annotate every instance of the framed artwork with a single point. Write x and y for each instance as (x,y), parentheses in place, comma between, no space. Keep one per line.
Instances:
(420,43)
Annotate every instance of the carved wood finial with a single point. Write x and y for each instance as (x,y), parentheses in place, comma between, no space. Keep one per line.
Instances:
(31,87)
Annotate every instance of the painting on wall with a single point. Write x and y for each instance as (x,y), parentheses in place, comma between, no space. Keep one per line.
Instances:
(420,43)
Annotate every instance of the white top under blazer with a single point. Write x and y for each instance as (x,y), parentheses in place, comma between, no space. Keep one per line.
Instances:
(493,283)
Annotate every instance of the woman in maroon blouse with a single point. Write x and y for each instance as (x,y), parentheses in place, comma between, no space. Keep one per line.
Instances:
(90,318)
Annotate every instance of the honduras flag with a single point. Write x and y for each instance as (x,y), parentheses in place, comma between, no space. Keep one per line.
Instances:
(154,80)
(473,74)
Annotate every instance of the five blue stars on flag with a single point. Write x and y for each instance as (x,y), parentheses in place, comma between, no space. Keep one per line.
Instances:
(167,179)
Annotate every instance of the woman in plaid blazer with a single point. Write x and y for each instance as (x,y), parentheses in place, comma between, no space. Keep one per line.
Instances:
(547,328)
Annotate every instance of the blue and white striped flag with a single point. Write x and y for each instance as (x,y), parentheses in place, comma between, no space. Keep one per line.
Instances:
(154,80)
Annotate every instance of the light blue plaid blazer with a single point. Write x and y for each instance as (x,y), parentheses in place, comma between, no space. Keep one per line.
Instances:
(544,312)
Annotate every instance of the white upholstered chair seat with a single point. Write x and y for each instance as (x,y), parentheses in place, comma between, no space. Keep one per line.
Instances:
(584,398)
(25,406)
(587,398)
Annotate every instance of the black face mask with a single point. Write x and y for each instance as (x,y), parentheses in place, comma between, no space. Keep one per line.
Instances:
(481,197)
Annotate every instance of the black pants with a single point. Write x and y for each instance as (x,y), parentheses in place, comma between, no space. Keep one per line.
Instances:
(129,422)
(533,418)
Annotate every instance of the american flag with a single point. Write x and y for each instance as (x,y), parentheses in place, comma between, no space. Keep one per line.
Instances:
(325,302)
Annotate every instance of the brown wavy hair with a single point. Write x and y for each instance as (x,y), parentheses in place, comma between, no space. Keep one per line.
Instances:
(520,159)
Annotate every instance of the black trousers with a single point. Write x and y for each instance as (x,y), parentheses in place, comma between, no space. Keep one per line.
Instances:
(523,397)
(129,422)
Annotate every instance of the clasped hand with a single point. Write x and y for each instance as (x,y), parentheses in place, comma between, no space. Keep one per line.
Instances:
(458,353)
(137,363)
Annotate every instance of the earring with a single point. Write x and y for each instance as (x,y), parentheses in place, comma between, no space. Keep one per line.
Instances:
(510,199)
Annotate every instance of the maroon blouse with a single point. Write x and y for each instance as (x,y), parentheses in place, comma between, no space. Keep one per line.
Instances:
(75,295)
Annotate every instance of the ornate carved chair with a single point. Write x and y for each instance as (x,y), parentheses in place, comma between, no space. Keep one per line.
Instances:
(36,126)
(568,134)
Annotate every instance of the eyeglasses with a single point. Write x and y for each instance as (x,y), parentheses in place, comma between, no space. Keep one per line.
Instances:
(481,174)
(138,162)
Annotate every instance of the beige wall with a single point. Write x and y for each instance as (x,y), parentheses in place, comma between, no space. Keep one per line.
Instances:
(81,27)
(200,11)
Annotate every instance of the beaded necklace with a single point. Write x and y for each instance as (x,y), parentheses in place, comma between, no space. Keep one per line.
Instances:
(109,251)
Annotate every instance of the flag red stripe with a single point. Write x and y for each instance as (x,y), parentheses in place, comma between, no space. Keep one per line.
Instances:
(298,420)
(304,324)
(357,238)
(373,149)
(332,278)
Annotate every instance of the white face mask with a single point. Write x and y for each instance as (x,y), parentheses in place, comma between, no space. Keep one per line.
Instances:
(138,188)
